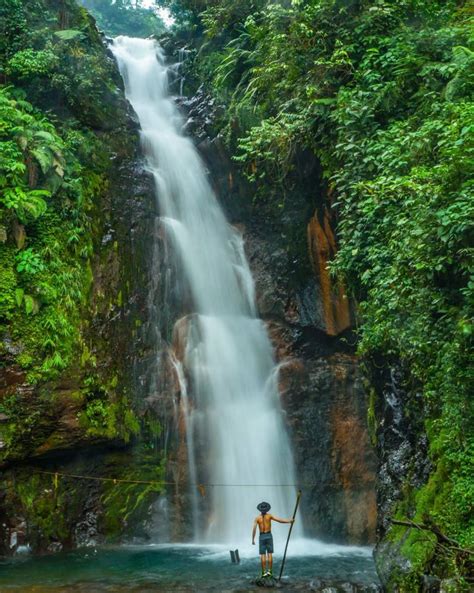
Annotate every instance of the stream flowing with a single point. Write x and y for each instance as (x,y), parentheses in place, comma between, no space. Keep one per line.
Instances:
(233,408)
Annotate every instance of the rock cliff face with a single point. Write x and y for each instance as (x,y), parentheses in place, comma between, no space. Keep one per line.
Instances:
(325,401)
(309,320)
(335,310)
(402,448)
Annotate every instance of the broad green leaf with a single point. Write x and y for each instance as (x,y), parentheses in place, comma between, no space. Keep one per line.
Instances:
(44,158)
(19,292)
(29,304)
(68,34)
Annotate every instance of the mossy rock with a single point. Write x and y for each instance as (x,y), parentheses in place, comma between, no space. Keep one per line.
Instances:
(269,582)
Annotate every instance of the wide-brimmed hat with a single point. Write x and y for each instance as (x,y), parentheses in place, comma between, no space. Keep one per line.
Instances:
(264,507)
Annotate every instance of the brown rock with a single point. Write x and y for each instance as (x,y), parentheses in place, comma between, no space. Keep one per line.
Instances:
(322,249)
(19,234)
(280,338)
(180,335)
(353,465)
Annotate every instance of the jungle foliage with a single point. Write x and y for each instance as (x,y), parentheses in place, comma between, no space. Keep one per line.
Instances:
(64,134)
(45,270)
(58,104)
(124,17)
(44,205)
(381,93)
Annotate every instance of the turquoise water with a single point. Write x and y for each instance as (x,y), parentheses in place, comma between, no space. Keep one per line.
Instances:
(177,568)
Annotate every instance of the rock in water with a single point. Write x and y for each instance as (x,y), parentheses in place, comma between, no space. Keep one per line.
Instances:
(266,582)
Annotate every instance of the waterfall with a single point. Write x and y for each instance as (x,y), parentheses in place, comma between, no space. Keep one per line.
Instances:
(237,415)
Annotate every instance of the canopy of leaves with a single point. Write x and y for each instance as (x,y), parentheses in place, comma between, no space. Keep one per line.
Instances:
(125,17)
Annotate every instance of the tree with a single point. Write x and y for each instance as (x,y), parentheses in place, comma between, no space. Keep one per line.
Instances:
(125,17)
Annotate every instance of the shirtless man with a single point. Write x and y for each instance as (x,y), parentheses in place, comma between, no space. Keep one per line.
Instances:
(265,541)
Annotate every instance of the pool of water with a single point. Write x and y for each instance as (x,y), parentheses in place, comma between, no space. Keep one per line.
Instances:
(179,568)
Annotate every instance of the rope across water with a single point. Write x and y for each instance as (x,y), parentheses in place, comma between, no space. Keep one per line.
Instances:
(57,475)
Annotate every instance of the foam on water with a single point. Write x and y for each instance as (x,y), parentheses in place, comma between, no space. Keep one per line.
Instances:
(298,548)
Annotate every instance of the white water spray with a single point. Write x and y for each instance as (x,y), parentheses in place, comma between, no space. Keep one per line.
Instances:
(228,357)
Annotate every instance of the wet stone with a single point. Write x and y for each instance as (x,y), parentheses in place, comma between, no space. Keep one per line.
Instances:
(268,582)
(430,584)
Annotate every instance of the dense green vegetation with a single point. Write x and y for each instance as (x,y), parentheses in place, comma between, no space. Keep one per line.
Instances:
(381,93)
(59,113)
(51,170)
(124,17)
(64,131)
(45,270)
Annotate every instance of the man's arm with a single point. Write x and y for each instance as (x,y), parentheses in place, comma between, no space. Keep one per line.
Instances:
(254,530)
(273,518)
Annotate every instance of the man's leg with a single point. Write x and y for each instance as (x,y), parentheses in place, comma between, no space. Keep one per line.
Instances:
(263,558)
(270,563)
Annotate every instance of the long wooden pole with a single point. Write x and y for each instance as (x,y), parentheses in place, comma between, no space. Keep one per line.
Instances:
(289,534)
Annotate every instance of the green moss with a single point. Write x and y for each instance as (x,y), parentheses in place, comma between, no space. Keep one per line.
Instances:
(152,427)
(106,414)
(43,507)
(419,548)
(126,504)
(432,502)
(98,419)
(131,424)
(414,550)
(27,424)
(456,585)
(404,583)
(8,282)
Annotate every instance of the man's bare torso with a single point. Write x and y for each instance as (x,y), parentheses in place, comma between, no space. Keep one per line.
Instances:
(264,523)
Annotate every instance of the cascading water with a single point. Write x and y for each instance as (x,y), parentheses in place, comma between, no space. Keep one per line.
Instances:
(232,402)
